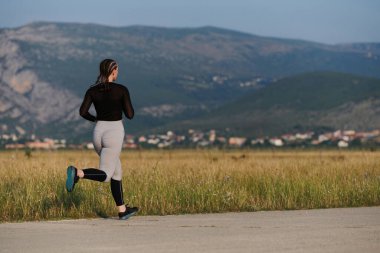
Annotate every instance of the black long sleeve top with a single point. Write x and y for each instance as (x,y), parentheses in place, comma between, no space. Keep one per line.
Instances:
(110,100)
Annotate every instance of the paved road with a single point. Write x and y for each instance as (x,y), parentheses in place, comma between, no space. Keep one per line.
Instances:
(326,230)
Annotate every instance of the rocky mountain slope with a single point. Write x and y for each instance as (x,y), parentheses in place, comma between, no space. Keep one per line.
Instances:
(173,74)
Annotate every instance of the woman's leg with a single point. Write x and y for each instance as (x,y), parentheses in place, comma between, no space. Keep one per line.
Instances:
(118,174)
(112,141)
(110,158)
(117,187)
(107,142)
(92,173)
(110,161)
(117,194)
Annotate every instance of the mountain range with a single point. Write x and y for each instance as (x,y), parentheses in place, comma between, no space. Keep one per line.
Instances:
(176,76)
(318,101)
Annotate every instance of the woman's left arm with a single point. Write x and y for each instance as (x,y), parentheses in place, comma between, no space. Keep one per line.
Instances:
(86,104)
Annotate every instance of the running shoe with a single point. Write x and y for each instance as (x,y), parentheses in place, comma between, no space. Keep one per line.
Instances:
(129,211)
(72,178)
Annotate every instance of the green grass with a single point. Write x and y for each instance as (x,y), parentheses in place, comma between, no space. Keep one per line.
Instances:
(177,182)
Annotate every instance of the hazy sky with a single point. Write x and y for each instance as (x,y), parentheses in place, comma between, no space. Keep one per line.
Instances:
(328,21)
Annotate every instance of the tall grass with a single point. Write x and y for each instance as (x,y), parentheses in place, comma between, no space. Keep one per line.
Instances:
(179,181)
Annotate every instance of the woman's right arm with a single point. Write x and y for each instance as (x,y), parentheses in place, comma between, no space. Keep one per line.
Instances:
(127,105)
(86,104)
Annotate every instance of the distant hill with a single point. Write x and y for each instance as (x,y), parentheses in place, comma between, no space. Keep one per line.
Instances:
(173,74)
(312,101)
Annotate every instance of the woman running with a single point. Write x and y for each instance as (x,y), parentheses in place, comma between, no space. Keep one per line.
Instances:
(110,100)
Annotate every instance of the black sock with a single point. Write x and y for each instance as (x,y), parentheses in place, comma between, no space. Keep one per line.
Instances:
(94,174)
(117,191)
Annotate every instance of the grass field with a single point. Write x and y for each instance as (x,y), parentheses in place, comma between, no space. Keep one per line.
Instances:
(189,181)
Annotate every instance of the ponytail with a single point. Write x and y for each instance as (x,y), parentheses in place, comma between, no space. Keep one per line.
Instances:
(105,69)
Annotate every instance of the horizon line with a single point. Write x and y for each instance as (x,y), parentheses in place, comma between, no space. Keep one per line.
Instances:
(186,27)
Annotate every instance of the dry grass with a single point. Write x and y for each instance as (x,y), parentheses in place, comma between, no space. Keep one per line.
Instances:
(183,181)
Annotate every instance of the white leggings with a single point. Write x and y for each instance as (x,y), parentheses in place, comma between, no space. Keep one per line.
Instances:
(108,140)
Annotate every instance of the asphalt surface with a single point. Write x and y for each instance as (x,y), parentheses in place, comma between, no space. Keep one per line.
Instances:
(324,230)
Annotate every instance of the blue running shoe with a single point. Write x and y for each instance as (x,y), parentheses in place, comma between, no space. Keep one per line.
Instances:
(72,178)
(129,211)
